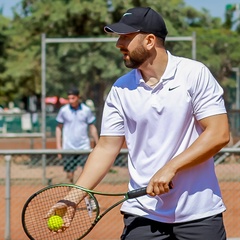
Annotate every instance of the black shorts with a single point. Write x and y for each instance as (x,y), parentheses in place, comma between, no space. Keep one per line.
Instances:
(71,162)
(140,228)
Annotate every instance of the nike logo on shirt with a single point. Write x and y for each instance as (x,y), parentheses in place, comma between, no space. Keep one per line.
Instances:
(170,89)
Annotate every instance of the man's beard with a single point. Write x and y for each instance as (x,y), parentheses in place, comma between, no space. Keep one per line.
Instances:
(136,58)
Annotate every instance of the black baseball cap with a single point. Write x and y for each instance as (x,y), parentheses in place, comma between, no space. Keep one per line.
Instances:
(139,19)
(73,91)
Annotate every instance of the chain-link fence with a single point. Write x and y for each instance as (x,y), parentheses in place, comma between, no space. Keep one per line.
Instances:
(23,172)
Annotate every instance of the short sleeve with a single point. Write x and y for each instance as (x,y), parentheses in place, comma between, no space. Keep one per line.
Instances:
(112,120)
(60,118)
(91,117)
(207,95)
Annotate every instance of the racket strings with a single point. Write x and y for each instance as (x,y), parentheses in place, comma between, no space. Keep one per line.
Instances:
(38,207)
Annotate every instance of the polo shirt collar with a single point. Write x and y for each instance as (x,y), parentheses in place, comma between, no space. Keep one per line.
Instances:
(169,72)
(75,109)
(171,68)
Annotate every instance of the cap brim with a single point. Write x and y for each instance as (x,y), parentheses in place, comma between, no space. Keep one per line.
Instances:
(120,28)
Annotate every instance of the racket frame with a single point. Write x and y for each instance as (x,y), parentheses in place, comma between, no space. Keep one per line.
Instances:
(126,195)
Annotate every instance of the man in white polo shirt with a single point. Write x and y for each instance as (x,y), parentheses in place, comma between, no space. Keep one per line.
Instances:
(171,112)
(75,121)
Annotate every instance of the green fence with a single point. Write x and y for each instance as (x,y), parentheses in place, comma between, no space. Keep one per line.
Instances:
(26,122)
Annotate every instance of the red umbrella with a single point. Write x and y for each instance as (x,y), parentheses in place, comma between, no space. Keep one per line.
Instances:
(54,99)
(63,101)
(51,100)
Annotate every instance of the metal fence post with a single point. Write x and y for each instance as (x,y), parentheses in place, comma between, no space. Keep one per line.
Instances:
(43,104)
(8,197)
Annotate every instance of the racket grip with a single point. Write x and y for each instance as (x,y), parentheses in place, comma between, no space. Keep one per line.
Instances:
(137,193)
(142,191)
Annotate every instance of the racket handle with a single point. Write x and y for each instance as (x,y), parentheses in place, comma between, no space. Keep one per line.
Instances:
(137,193)
(142,191)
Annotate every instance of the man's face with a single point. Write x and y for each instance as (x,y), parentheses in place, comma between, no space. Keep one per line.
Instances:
(73,100)
(131,46)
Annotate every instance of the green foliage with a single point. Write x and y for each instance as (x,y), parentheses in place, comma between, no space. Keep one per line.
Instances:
(93,67)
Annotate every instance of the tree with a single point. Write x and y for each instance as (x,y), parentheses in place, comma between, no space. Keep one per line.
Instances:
(94,67)
(84,65)
(229,15)
(5,86)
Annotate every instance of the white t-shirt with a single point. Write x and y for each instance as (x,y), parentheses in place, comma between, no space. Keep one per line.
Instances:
(159,124)
(75,126)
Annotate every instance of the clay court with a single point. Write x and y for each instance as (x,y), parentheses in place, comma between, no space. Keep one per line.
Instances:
(26,180)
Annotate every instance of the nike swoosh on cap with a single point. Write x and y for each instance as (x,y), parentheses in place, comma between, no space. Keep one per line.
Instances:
(170,89)
(125,14)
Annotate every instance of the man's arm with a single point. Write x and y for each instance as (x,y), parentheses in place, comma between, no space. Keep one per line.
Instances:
(97,166)
(100,161)
(93,133)
(59,137)
(214,137)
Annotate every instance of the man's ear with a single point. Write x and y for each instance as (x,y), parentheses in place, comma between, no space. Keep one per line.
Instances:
(150,41)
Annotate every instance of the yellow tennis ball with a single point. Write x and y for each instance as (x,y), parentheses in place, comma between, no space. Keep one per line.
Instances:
(55,223)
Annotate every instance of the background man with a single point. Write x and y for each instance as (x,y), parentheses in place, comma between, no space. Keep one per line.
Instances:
(75,124)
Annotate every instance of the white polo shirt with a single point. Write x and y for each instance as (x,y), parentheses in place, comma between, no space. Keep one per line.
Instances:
(75,126)
(159,124)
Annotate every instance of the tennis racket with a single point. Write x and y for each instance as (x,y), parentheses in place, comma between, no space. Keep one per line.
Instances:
(87,213)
